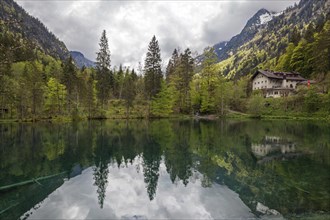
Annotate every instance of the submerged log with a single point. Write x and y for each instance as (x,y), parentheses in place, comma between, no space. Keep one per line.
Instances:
(29,181)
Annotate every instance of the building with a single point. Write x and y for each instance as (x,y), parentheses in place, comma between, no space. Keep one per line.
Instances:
(276,84)
(273,145)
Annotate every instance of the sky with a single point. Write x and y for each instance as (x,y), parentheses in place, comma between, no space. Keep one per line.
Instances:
(126,197)
(130,25)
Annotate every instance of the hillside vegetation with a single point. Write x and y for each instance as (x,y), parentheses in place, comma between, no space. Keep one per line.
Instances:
(16,20)
(38,81)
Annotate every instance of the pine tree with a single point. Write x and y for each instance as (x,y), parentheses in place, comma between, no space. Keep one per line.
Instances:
(69,79)
(172,65)
(285,59)
(34,86)
(187,63)
(129,90)
(91,94)
(321,50)
(103,74)
(295,36)
(309,34)
(118,82)
(208,82)
(152,69)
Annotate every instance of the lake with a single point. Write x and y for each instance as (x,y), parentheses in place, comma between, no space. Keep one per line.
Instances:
(165,169)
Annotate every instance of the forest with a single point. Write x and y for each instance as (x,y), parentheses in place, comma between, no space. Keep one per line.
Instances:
(37,86)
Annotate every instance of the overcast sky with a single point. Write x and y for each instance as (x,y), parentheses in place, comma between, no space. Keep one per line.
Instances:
(130,25)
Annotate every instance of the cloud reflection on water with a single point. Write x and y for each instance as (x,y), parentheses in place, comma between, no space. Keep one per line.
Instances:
(126,197)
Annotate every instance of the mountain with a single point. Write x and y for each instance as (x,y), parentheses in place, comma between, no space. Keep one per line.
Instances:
(80,59)
(222,49)
(218,49)
(23,26)
(253,25)
(266,36)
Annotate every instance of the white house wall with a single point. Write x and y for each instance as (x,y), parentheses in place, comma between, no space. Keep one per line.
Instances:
(260,82)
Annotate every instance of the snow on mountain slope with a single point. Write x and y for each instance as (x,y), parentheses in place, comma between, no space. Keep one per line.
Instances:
(268,16)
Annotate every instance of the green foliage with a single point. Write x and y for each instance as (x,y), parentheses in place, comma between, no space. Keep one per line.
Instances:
(285,59)
(321,50)
(129,89)
(195,88)
(70,80)
(118,82)
(224,92)
(104,77)
(55,97)
(300,60)
(91,96)
(295,36)
(240,91)
(172,65)
(256,104)
(209,82)
(152,69)
(33,83)
(162,104)
(272,46)
(179,72)
(312,100)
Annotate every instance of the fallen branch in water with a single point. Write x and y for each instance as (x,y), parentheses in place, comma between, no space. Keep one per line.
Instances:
(29,181)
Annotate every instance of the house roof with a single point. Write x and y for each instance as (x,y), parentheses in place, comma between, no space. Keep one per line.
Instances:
(306,82)
(280,75)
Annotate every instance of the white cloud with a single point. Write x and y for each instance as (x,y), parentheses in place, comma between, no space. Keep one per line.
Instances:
(126,197)
(130,25)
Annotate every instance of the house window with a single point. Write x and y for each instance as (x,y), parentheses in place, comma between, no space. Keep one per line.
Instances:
(291,86)
(262,81)
(258,82)
(276,93)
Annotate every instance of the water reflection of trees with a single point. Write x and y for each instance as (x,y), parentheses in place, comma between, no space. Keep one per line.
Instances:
(101,160)
(178,155)
(220,151)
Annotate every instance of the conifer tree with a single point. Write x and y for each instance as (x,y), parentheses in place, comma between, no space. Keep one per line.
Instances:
(208,84)
(321,50)
(187,64)
(118,82)
(295,36)
(152,69)
(69,79)
(103,74)
(129,90)
(172,65)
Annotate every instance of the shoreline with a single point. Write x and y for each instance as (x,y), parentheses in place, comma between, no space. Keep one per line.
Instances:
(210,117)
